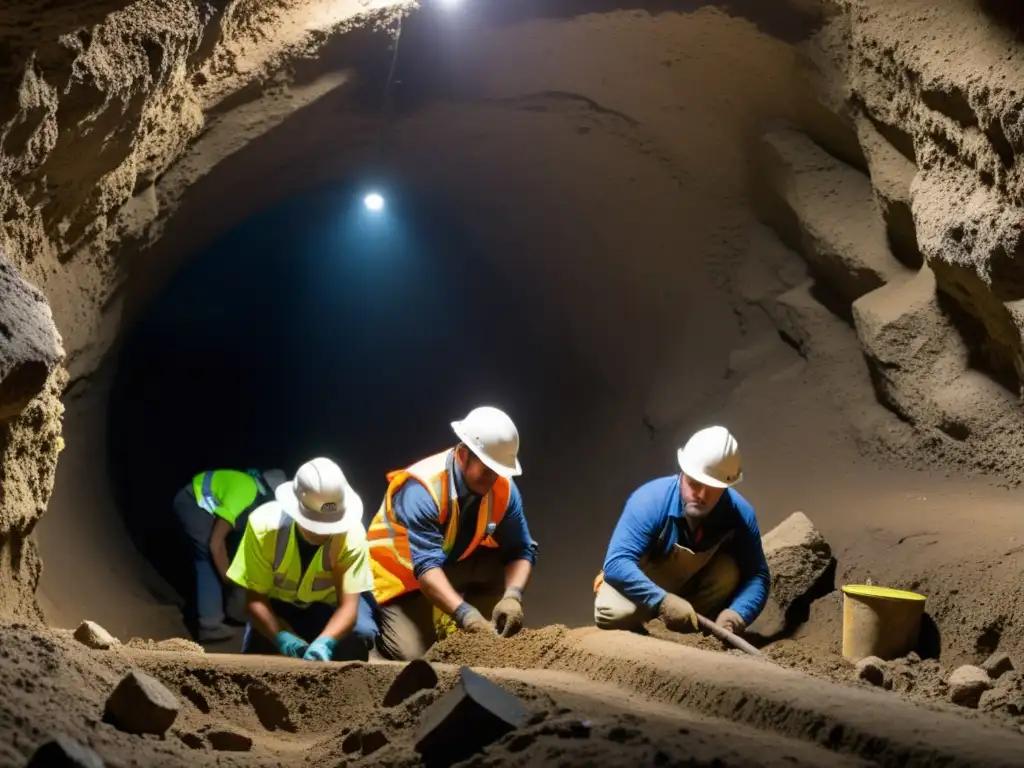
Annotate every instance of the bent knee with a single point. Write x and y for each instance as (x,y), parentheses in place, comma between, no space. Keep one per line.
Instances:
(613,611)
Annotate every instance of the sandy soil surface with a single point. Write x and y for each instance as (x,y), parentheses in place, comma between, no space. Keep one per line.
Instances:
(591,697)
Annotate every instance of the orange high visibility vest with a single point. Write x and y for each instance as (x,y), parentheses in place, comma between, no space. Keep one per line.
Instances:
(390,557)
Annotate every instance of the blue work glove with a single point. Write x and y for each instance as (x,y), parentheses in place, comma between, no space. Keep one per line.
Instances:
(290,645)
(322,649)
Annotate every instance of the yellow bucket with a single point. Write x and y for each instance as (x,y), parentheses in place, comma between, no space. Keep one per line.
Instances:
(879,621)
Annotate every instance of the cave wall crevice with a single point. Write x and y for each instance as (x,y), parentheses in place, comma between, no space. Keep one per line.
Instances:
(938,123)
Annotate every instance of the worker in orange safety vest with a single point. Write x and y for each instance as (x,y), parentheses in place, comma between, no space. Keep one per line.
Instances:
(450,541)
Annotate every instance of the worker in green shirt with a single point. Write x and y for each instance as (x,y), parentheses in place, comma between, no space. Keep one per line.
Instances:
(208,509)
(304,562)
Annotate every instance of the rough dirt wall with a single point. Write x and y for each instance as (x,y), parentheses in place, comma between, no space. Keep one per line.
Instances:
(100,99)
(907,203)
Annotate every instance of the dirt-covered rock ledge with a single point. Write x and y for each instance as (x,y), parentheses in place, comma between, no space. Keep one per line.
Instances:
(907,203)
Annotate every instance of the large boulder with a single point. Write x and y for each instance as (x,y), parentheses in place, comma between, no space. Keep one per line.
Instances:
(802,569)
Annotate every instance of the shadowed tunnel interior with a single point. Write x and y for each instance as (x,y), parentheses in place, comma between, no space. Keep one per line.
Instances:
(321,328)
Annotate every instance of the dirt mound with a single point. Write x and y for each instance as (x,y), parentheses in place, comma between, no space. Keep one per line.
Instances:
(237,710)
(175,644)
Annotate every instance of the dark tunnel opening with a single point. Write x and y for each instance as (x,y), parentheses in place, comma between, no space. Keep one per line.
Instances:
(319,328)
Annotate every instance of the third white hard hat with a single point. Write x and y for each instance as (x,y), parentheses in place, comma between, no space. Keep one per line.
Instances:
(712,457)
(492,436)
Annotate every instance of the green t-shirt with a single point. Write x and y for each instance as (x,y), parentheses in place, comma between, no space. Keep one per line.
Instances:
(231,493)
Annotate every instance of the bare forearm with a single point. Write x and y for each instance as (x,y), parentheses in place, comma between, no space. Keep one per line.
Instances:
(517,574)
(218,544)
(219,554)
(344,618)
(261,615)
(439,591)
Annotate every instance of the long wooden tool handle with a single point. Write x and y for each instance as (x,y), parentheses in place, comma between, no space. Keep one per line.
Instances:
(726,636)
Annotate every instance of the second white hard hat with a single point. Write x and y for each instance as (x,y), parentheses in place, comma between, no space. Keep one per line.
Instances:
(492,436)
(712,457)
(320,498)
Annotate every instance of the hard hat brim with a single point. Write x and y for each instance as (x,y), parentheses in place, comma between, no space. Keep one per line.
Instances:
(502,470)
(702,477)
(289,501)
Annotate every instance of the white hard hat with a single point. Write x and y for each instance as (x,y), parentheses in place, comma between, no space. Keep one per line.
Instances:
(712,457)
(320,498)
(491,435)
(274,478)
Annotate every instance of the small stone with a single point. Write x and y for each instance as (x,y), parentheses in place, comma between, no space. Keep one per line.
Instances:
(966,685)
(64,752)
(141,704)
(871,669)
(91,634)
(998,664)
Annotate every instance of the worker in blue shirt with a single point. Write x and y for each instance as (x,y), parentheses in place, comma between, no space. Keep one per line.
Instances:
(686,544)
(450,541)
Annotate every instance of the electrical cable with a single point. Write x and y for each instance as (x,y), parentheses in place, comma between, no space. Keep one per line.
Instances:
(387,111)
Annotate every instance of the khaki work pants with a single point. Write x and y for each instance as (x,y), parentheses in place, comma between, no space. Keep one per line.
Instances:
(709,591)
(408,624)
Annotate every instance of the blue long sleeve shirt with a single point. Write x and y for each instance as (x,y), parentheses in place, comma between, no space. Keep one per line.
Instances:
(652,522)
(416,510)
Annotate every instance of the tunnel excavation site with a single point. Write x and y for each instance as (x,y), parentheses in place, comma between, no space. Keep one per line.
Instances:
(246,234)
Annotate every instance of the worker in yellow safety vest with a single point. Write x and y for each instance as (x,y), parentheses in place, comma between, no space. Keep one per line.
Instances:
(304,563)
(450,533)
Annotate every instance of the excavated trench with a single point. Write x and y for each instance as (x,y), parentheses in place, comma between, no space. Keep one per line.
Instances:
(628,221)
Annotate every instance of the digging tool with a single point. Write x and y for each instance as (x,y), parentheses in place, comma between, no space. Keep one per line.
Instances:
(727,637)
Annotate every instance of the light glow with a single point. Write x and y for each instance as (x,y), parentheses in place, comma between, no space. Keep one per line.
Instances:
(373,202)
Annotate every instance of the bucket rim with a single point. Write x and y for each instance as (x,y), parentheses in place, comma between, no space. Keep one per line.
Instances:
(886,593)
